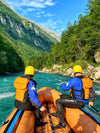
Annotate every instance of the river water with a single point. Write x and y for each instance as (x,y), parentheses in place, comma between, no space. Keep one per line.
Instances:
(7,91)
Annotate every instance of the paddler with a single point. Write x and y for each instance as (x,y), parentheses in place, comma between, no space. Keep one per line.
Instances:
(26,95)
(81,92)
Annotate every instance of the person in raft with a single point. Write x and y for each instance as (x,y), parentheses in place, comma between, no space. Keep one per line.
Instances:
(81,91)
(26,95)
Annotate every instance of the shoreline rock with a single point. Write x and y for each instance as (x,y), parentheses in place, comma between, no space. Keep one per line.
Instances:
(92,72)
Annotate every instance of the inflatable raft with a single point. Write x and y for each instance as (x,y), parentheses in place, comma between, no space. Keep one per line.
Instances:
(76,120)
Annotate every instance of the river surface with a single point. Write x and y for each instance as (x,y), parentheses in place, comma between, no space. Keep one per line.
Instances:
(7,91)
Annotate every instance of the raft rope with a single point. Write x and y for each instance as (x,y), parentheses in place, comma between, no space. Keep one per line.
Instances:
(53,131)
(10,126)
(47,112)
(95,109)
(52,126)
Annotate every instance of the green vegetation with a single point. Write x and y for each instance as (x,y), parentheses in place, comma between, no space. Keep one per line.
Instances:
(21,41)
(24,43)
(14,55)
(9,59)
(24,30)
(78,43)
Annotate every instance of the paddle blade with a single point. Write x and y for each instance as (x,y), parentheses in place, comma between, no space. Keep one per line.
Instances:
(98,112)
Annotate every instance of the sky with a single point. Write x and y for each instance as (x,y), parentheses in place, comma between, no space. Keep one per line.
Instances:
(52,14)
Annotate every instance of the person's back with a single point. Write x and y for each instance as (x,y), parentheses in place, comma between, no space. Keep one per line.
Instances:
(22,100)
(77,95)
(78,90)
(26,95)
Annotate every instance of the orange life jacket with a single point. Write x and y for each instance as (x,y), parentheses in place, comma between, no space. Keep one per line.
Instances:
(87,84)
(20,84)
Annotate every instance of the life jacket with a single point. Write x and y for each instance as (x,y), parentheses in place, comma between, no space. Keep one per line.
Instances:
(84,92)
(21,84)
(87,85)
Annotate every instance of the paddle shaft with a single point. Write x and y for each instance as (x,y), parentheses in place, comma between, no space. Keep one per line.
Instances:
(95,109)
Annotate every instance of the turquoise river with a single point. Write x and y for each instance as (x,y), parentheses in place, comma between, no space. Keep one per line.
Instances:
(7,91)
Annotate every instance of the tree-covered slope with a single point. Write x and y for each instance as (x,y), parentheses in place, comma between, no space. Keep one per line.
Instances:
(9,59)
(25,30)
(80,41)
(28,39)
(25,52)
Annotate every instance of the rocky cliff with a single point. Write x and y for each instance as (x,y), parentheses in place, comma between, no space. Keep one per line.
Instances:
(24,30)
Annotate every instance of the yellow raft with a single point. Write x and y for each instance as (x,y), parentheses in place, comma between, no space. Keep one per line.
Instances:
(24,121)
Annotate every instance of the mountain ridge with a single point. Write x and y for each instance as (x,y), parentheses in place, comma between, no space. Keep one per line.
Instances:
(24,30)
(27,38)
(57,36)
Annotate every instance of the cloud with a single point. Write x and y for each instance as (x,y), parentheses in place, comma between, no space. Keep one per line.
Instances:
(53,25)
(49,3)
(41,14)
(50,24)
(36,7)
(26,6)
(59,31)
(30,3)
(49,15)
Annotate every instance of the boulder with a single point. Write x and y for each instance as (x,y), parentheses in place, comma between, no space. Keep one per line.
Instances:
(97,57)
(69,72)
(97,75)
(97,68)
(56,66)
(45,70)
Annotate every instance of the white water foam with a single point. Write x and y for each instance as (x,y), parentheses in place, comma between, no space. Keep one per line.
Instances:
(5,80)
(5,95)
(58,83)
(97,92)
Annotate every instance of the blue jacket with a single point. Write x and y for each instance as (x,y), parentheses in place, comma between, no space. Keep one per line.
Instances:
(33,94)
(77,85)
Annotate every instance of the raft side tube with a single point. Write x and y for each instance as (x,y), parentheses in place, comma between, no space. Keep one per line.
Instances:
(77,119)
(8,120)
(91,115)
(20,122)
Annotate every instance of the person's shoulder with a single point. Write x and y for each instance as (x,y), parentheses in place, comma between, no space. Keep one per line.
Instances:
(72,80)
(33,81)
(75,79)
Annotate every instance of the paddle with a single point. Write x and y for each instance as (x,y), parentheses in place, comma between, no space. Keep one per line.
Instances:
(95,109)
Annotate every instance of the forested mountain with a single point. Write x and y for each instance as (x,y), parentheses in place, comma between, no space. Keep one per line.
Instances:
(79,42)
(9,59)
(29,42)
(23,38)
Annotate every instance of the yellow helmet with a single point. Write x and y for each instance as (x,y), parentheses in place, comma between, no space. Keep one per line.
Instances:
(77,68)
(29,70)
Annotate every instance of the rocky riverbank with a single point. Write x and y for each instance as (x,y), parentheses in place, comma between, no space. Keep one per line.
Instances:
(90,71)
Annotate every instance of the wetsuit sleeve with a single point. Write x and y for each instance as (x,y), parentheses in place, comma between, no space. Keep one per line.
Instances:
(33,94)
(67,86)
(92,95)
